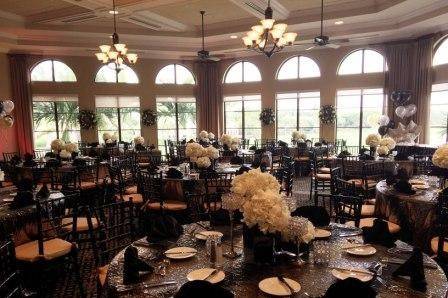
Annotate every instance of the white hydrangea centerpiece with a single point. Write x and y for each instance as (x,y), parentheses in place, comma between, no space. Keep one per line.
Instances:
(232,143)
(57,145)
(297,136)
(373,140)
(201,156)
(139,140)
(64,154)
(71,147)
(440,157)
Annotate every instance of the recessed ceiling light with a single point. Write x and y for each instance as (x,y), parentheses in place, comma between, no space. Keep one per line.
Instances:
(113,11)
(339,22)
(233,36)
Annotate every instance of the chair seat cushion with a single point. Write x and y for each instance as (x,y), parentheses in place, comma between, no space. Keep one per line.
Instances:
(169,205)
(368,222)
(435,245)
(81,224)
(324,170)
(144,164)
(54,248)
(360,184)
(136,198)
(102,274)
(214,206)
(325,177)
(302,158)
(131,190)
(366,210)
(85,185)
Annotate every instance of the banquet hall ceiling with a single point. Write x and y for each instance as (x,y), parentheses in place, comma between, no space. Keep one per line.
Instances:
(171,28)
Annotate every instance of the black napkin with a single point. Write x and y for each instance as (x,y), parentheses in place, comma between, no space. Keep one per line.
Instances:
(413,267)
(173,173)
(242,170)
(318,215)
(403,186)
(79,163)
(133,266)
(236,160)
(162,227)
(50,155)
(93,144)
(344,153)
(350,288)
(22,199)
(202,289)
(253,148)
(260,151)
(53,163)
(43,192)
(174,161)
(282,144)
(402,156)
(391,180)
(140,147)
(378,234)
(25,184)
(29,160)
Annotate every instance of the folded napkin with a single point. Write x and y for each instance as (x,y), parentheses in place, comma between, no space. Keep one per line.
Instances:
(236,160)
(29,160)
(133,266)
(140,147)
(79,162)
(242,170)
(403,186)
(22,199)
(253,148)
(282,144)
(413,268)
(162,227)
(173,173)
(202,289)
(260,151)
(344,153)
(25,184)
(350,288)
(174,161)
(43,192)
(318,215)
(391,180)
(53,163)
(378,234)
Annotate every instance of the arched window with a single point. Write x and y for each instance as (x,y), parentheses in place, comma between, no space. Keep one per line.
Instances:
(175,74)
(52,71)
(441,55)
(108,74)
(298,67)
(362,61)
(242,72)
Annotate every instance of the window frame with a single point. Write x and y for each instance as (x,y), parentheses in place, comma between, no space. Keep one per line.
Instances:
(243,128)
(436,49)
(298,69)
(361,108)
(52,72)
(298,99)
(385,68)
(242,73)
(175,75)
(429,112)
(116,76)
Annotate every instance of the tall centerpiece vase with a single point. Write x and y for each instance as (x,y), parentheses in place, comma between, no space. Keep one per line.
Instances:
(372,151)
(258,247)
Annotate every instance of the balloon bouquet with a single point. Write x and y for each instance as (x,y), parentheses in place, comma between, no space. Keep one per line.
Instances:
(403,133)
(6,107)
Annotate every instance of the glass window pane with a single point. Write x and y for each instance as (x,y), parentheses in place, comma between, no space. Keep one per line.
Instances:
(438,121)
(289,69)
(373,61)
(251,72)
(183,76)
(308,68)
(235,73)
(166,75)
(106,75)
(63,73)
(127,75)
(441,55)
(107,120)
(352,64)
(42,72)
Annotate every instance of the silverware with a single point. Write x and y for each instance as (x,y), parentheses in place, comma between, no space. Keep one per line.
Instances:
(398,261)
(211,274)
(358,246)
(350,234)
(127,288)
(180,252)
(353,270)
(283,281)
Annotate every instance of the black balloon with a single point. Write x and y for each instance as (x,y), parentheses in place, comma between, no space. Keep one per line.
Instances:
(400,97)
(382,130)
(391,124)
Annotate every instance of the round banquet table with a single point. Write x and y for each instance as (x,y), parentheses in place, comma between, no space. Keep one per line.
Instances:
(242,278)
(416,214)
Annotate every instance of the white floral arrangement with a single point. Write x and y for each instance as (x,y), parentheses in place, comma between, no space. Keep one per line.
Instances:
(139,140)
(203,136)
(233,143)
(203,162)
(57,145)
(110,138)
(211,152)
(64,154)
(382,150)
(71,147)
(440,157)
(2,176)
(373,140)
(211,136)
(256,195)
(193,151)
(388,142)
(297,136)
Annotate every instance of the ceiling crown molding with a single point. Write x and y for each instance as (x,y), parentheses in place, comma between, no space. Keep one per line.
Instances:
(257,8)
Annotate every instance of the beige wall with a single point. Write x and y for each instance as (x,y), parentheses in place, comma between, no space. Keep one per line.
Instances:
(85,69)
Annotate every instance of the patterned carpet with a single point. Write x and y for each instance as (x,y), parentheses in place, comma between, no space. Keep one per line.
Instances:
(63,283)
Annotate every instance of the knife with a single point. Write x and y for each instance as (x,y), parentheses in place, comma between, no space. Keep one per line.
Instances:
(283,281)
(211,274)
(353,270)
(181,252)
(126,288)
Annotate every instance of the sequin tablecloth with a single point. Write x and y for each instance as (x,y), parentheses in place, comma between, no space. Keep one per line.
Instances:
(416,214)
(242,278)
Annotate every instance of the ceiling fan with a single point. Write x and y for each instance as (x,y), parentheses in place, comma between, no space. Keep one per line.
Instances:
(204,55)
(322,40)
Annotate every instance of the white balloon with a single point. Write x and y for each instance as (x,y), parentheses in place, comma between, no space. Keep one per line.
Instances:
(411,110)
(384,120)
(8,106)
(400,111)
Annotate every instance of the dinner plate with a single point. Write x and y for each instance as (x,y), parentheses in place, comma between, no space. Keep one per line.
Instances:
(204,234)
(8,200)
(321,233)
(420,186)
(362,251)
(203,273)
(346,273)
(180,253)
(273,286)
(417,181)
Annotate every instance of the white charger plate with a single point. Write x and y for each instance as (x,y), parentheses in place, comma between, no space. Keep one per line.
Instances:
(321,233)
(201,274)
(273,286)
(171,253)
(343,274)
(204,234)
(363,251)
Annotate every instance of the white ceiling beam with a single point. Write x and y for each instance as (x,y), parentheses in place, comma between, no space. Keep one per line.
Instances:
(257,8)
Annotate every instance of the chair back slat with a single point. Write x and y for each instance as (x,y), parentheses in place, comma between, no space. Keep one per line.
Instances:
(10,282)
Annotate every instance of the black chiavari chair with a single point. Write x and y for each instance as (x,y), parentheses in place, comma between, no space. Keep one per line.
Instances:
(216,184)
(439,244)
(39,153)
(123,185)
(422,165)
(7,156)
(10,280)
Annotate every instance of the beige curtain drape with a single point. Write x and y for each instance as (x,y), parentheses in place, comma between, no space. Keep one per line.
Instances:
(209,96)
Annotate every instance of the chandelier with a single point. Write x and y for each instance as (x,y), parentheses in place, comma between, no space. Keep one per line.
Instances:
(269,37)
(115,55)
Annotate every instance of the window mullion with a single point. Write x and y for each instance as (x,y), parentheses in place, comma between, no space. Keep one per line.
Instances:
(52,70)
(176,111)
(119,124)
(56,118)
(298,111)
(243,129)
(360,119)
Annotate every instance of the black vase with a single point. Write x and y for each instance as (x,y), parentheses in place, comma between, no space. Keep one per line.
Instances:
(258,247)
